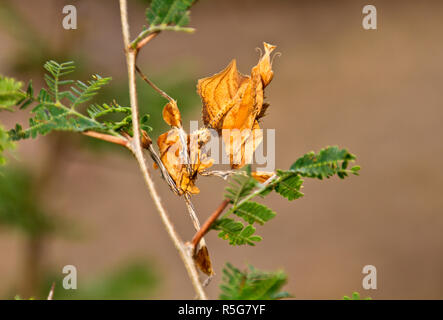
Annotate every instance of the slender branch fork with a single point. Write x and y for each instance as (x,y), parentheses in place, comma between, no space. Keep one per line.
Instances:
(184,250)
(145,40)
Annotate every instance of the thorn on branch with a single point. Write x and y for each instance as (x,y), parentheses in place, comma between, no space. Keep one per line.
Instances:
(51,291)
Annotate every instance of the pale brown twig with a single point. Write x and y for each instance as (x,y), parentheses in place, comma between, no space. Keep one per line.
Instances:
(145,40)
(136,148)
(152,84)
(107,137)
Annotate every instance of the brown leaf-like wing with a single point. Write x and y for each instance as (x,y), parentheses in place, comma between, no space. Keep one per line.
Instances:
(170,147)
(232,101)
(218,93)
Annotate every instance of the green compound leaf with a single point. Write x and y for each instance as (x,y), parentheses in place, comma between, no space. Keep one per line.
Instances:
(288,183)
(252,284)
(236,232)
(51,114)
(326,163)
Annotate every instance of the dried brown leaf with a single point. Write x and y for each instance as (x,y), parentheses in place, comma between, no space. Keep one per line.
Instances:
(202,260)
(172,115)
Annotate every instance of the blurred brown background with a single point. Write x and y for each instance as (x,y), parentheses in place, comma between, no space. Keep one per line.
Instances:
(377,93)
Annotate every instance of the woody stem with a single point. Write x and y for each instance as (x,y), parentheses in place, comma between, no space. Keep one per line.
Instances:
(136,148)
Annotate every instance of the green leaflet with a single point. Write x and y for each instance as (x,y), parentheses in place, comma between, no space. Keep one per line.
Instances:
(169,12)
(10,95)
(289,185)
(235,232)
(5,144)
(252,284)
(106,114)
(10,92)
(240,186)
(254,212)
(96,111)
(81,92)
(54,79)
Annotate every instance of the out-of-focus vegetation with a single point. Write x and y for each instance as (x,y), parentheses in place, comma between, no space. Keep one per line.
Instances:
(137,279)
(356,296)
(5,144)
(21,193)
(21,209)
(20,206)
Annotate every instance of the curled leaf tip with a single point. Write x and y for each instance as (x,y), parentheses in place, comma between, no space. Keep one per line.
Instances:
(265,64)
